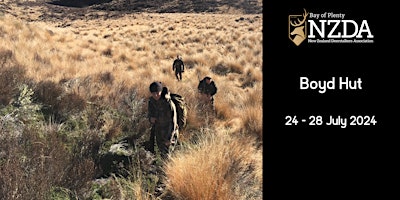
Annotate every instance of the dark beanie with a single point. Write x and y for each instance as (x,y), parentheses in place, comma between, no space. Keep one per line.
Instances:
(155,87)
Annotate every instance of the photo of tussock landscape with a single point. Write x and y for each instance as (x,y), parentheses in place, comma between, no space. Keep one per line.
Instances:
(74,88)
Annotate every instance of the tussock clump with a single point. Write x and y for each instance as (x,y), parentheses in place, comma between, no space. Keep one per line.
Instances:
(58,104)
(223,69)
(10,78)
(5,56)
(251,77)
(253,122)
(105,77)
(220,166)
(107,52)
(220,69)
(43,158)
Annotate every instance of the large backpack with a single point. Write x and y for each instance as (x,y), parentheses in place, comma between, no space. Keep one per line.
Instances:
(181,109)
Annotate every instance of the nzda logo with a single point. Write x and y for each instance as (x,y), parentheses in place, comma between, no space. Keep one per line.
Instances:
(328,27)
(298,28)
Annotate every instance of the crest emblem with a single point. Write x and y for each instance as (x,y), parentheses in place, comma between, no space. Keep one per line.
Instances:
(298,28)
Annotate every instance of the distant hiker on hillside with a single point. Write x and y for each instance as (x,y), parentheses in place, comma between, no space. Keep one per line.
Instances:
(207,90)
(178,67)
(163,117)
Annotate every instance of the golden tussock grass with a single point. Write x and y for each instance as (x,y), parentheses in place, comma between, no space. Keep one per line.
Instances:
(220,166)
(103,63)
(52,53)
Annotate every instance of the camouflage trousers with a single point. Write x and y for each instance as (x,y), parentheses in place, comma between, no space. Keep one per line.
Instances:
(178,75)
(166,137)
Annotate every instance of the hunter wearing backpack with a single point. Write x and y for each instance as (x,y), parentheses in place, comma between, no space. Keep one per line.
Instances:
(207,89)
(163,118)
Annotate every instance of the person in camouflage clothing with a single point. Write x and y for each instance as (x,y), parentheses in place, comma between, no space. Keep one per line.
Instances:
(207,90)
(178,67)
(163,117)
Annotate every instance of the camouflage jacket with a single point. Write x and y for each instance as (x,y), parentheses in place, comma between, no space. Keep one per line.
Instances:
(178,65)
(163,110)
(205,88)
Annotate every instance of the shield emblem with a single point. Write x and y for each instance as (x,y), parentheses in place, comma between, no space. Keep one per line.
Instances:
(298,28)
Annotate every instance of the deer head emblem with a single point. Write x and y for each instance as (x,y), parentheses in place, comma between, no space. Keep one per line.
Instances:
(297,31)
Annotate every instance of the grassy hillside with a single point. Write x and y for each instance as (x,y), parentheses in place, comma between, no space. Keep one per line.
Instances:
(75,82)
